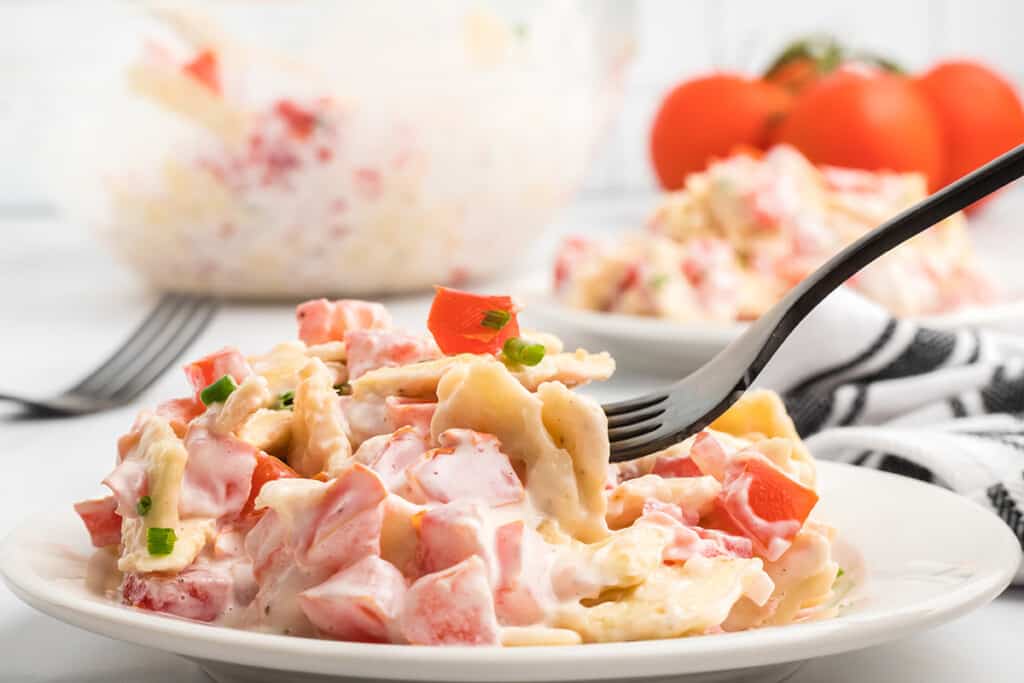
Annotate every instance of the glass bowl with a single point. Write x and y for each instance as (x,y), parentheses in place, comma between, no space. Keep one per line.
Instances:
(291,149)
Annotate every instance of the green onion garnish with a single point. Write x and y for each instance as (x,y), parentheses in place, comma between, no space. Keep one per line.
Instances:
(343,389)
(658,281)
(142,507)
(285,400)
(496,319)
(219,391)
(520,351)
(839,574)
(160,541)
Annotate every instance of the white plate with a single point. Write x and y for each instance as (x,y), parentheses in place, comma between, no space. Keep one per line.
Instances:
(651,343)
(928,556)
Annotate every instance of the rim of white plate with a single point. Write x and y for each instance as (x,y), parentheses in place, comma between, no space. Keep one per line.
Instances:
(583,662)
(546,306)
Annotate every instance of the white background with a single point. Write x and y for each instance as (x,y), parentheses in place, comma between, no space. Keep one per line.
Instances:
(50,49)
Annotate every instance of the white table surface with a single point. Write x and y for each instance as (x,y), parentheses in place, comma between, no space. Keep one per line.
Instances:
(64,303)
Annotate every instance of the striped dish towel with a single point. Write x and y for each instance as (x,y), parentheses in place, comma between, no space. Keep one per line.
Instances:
(943,406)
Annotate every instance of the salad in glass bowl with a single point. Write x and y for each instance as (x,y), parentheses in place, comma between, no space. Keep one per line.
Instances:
(739,235)
(366,483)
(280,149)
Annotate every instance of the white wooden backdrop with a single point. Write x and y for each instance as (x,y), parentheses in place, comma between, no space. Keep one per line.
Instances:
(47,47)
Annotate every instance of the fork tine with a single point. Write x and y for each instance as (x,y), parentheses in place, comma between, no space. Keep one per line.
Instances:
(626,419)
(182,338)
(137,358)
(643,444)
(623,407)
(167,306)
(631,431)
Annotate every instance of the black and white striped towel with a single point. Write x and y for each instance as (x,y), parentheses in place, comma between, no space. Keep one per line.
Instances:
(943,406)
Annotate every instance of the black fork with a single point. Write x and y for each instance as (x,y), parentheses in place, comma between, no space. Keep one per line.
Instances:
(649,423)
(172,326)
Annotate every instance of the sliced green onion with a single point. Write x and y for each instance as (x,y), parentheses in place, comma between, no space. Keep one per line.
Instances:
(522,351)
(219,391)
(496,319)
(160,541)
(285,401)
(839,574)
(343,389)
(142,507)
(658,281)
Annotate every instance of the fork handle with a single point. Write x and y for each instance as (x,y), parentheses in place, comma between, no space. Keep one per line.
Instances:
(766,335)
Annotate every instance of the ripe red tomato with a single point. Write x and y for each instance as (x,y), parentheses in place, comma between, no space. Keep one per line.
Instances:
(795,76)
(709,117)
(863,117)
(462,322)
(980,113)
(268,468)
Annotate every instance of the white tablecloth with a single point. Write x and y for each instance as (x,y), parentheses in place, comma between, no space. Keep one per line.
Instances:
(64,304)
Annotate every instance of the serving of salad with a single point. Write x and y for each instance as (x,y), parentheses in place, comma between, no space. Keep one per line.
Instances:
(739,235)
(367,483)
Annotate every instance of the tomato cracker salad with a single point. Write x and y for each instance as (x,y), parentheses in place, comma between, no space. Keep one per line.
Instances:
(366,483)
(739,235)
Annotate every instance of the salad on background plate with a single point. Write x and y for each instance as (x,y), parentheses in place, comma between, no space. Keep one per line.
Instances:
(367,483)
(739,235)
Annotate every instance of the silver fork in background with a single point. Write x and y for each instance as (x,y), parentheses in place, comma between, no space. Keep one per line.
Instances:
(149,351)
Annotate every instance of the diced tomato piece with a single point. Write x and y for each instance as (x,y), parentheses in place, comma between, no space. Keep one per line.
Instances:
(300,122)
(195,593)
(676,467)
(451,607)
(180,412)
(468,466)
(571,252)
(456,321)
(218,474)
(720,520)
(371,349)
(691,541)
(448,535)
(322,321)
(359,603)
(208,369)
(629,280)
(205,69)
(723,544)
(766,504)
(268,468)
(407,412)
(367,183)
(348,525)
(776,496)
(128,481)
(101,520)
(524,575)
(709,455)
(654,506)
(403,448)
(265,544)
